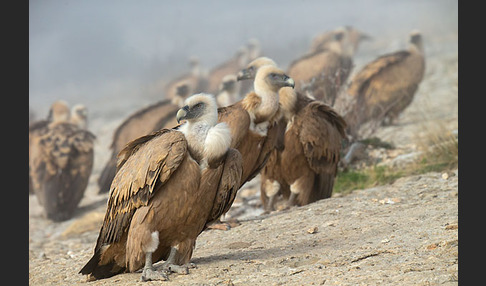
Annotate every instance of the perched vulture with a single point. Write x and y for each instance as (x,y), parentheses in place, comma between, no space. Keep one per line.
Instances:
(321,74)
(383,88)
(231,66)
(61,161)
(169,185)
(304,163)
(79,116)
(355,37)
(229,91)
(196,80)
(144,121)
(38,128)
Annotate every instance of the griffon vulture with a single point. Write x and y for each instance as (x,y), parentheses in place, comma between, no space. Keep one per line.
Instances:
(61,161)
(231,66)
(304,163)
(355,37)
(321,74)
(229,91)
(37,128)
(144,121)
(169,185)
(383,88)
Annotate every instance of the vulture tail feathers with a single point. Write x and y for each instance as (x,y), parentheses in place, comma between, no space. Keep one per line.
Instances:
(107,175)
(97,271)
(321,189)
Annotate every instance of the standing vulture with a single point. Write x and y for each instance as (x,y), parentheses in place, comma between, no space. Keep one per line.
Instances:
(321,74)
(61,161)
(38,128)
(355,37)
(169,184)
(383,88)
(231,66)
(144,121)
(304,163)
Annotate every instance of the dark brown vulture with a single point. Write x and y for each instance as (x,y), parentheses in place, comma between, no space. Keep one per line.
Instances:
(229,91)
(169,185)
(383,88)
(355,37)
(144,121)
(38,128)
(304,163)
(321,74)
(61,161)
(231,66)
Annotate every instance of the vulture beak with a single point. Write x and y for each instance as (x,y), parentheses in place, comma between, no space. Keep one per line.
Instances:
(289,81)
(182,113)
(244,74)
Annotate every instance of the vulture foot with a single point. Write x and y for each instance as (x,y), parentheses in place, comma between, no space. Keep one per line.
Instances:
(150,274)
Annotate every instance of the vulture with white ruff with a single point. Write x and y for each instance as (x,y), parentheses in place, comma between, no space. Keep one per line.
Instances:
(168,186)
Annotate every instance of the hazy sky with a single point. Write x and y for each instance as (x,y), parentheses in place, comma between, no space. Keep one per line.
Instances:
(85,51)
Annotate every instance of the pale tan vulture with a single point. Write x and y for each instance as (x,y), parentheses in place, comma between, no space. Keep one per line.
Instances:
(61,161)
(322,73)
(383,88)
(231,66)
(144,121)
(38,128)
(196,80)
(229,91)
(355,37)
(303,166)
(169,185)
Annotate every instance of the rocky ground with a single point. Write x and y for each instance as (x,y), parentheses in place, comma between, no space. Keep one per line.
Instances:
(404,233)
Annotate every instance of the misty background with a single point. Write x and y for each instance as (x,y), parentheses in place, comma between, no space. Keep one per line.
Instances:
(110,54)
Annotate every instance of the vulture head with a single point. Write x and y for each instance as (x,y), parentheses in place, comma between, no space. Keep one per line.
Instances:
(199,107)
(251,69)
(271,78)
(228,83)
(59,111)
(416,40)
(79,115)
(182,91)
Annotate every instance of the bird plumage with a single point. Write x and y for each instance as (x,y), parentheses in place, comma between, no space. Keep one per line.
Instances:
(163,193)
(60,163)
(383,88)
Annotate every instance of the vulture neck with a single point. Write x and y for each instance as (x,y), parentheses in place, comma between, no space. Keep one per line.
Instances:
(288,101)
(207,142)
(269,103)
(416,48)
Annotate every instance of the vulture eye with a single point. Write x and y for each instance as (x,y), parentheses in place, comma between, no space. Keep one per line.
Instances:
(198,105)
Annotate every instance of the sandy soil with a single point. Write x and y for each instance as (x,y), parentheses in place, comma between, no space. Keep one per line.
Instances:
(405,233)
